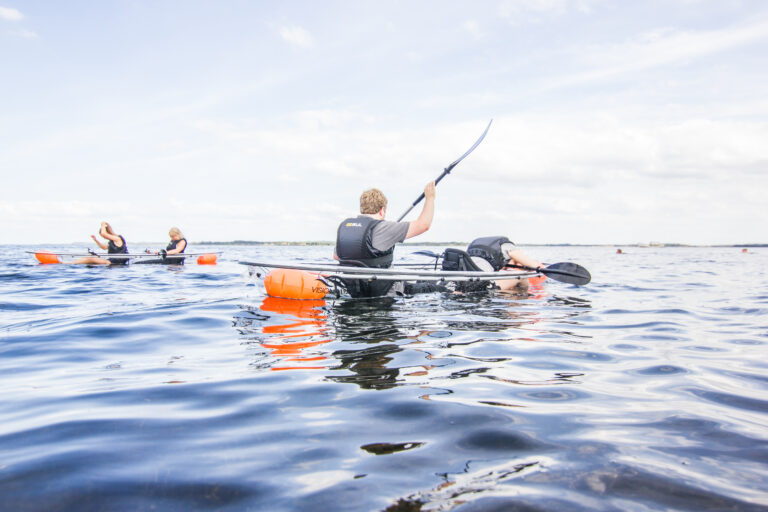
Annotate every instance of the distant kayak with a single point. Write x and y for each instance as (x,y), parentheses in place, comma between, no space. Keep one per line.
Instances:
(48,257)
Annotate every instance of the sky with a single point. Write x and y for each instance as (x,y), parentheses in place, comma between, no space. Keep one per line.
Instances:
(614,122)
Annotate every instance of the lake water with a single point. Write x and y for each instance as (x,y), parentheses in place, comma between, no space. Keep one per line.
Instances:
(185,388)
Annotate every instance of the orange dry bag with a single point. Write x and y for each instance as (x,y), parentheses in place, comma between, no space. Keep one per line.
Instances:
(206,259)
(294,284)
(46,257)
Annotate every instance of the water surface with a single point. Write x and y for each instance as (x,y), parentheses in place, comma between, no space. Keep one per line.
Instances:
(186,388)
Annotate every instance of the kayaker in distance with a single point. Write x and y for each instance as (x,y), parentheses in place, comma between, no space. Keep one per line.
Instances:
(176,246)
(115,245)
(369,241)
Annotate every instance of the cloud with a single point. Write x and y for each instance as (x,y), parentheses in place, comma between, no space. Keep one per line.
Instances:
(517,11)
(297,36)
(583,151)
(9,14)
(657,48)
(473,27)
(26,34)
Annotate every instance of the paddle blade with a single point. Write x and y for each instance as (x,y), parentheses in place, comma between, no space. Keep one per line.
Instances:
(567,272)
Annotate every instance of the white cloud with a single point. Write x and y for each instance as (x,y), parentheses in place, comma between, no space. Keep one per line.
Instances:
(473,27)
(518,11)
(297,36)
(10,14)
(659,48)
(26,34)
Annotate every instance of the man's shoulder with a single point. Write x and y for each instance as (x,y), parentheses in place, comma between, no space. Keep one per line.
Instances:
(387,225)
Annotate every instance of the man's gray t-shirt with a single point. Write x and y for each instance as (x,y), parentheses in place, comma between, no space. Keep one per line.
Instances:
(387,233)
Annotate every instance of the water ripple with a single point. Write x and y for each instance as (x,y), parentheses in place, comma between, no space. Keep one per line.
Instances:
(185,388)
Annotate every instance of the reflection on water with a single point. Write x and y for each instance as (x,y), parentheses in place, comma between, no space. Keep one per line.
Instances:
(366,342)
(289,329)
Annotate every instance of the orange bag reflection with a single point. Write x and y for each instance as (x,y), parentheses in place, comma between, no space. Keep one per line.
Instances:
(290,338)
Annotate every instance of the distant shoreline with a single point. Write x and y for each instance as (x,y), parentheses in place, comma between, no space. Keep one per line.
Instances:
(326,243)
(455,243)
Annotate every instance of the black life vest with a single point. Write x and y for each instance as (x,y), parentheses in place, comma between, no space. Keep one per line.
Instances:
(489,248)
(114,249)
(174,243)
(354,247)
(354,243)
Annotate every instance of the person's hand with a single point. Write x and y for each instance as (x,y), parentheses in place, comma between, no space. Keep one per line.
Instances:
(94,238)
(429,190)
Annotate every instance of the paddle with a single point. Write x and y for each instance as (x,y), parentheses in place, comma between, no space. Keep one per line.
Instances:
(447,170)
(565,272)
(428,253)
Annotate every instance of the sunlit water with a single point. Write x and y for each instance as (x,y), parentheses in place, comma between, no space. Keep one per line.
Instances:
(167,388)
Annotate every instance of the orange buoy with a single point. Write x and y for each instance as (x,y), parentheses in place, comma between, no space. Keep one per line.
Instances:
(206,259)
(294,284)
(47,257)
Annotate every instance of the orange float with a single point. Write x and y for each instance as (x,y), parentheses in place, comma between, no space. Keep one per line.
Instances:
(206,259)
(537,279)
(47,257)
(294,284)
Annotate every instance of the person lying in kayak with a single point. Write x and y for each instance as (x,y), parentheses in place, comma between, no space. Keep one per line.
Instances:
(498,252)
(115,245)
(489,254)
(176,246)
(369,241)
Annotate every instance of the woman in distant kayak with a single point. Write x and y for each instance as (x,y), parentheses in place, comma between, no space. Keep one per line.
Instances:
(115,245)
(176,246)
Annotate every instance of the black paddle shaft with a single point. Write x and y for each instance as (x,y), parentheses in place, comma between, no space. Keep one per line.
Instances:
(447,170)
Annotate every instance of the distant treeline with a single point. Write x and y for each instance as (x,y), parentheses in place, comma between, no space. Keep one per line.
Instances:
(320,242)
(455,243)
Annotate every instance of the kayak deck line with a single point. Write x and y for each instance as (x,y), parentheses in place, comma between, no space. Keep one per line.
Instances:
(393,274)
(116,255)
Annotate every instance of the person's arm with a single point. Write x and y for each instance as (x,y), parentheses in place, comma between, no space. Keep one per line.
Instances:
(103,246)
(518,257)
(103,232)
(179,247)
(423,223)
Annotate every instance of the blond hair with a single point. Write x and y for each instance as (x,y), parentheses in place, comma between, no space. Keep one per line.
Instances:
(372,200)
(175,231)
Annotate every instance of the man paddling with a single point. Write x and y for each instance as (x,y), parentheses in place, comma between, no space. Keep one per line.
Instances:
(369,241)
